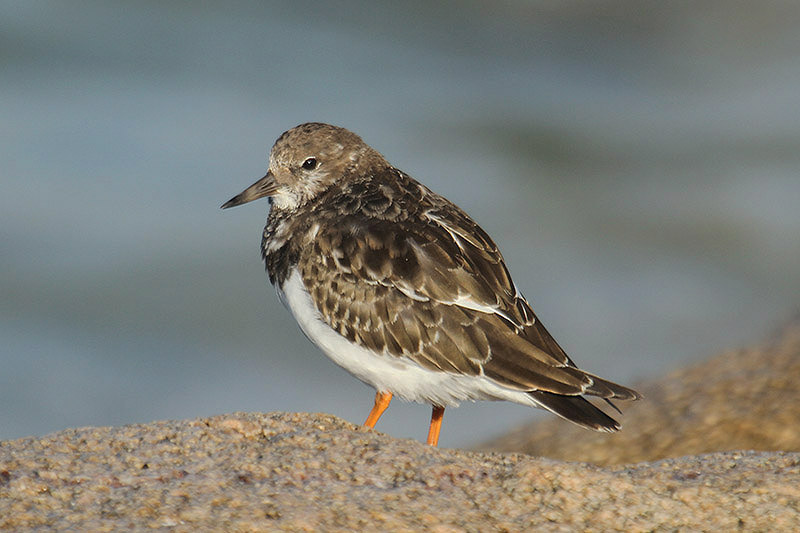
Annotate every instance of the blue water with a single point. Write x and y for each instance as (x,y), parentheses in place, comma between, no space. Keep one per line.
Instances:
(639,169)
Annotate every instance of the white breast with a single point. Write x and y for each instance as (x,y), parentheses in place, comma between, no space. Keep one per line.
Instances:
(387,373)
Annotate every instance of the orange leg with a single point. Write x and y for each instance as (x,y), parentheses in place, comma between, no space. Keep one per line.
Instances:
(382,400)
(436,425)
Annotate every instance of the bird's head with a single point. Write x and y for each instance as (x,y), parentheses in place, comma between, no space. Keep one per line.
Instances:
(305,161)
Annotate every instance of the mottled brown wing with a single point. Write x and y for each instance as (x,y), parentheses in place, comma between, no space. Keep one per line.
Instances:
(434,288)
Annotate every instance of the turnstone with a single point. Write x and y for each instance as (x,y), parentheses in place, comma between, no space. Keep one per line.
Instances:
(403,289)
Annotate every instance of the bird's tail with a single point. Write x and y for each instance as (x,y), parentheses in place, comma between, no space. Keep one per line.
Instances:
(576,409)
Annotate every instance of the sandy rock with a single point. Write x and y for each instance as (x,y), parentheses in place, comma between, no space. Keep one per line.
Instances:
(301,472)
(744,399)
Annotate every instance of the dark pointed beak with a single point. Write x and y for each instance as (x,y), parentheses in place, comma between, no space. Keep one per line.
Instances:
(266,186)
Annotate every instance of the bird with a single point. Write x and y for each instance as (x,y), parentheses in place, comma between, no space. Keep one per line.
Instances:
(401,288)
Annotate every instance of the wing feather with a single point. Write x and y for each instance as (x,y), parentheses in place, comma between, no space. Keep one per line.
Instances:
(439,293)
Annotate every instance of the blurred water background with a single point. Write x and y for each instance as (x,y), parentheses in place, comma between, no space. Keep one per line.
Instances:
(637,162)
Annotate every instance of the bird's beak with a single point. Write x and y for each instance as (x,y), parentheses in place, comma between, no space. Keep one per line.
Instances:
(266,186)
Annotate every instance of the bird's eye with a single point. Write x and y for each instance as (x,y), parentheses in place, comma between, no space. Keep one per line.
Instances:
(310,163)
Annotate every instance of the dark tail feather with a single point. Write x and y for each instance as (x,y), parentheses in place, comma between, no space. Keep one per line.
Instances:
(609,402)
(576,409)
(607,389)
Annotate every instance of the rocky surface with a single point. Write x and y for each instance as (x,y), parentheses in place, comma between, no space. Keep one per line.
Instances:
(301,472)
(304,472)
(747,399)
